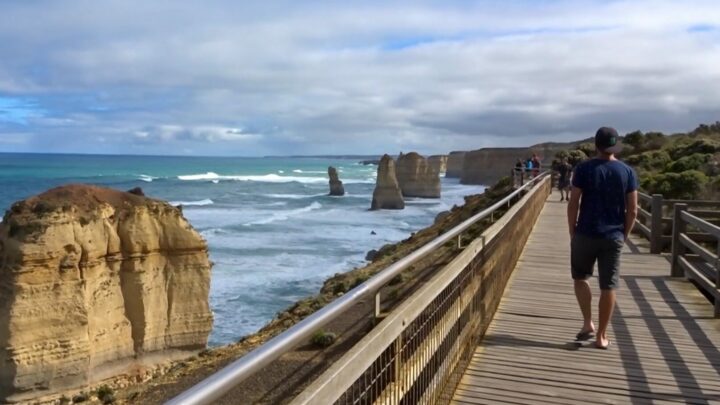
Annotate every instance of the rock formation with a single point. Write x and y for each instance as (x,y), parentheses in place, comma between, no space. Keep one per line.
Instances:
(455,164)
(438,162)
(387,193)
(336,186)
(91,281)
(416,177)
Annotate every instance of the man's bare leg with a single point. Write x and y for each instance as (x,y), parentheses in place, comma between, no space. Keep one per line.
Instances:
(584,299)
(606,306)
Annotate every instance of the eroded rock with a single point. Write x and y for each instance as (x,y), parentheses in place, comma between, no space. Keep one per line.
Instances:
(93,280)
(387,193)
(336,186)
(417,177)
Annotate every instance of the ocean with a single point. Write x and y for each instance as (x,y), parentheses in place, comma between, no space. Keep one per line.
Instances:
(273,233)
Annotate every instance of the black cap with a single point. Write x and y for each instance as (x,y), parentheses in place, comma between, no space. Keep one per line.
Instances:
(607,140)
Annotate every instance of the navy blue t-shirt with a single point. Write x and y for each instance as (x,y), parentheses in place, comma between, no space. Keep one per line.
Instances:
(604,185)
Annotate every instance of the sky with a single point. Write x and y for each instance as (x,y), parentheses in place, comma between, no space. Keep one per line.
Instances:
(310,77)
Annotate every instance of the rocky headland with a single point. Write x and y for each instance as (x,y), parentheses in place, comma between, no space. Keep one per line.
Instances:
(336,186)
(95,282)
(387,194)
(417,177)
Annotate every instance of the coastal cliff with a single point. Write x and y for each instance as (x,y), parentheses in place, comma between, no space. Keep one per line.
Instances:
(93,280)
(387,193)
(455,164)
(417,177)
(336,186)
(488,165)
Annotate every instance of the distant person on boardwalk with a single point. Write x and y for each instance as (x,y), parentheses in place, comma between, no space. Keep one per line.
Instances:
(564,170)
(535,161)
(529,166)
(604,193)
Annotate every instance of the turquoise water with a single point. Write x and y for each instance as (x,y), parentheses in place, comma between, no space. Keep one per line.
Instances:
(274,234)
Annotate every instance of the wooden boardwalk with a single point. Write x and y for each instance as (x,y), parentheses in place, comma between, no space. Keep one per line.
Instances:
(665,342)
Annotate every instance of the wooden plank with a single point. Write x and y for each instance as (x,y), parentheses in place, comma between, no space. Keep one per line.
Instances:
(664,337)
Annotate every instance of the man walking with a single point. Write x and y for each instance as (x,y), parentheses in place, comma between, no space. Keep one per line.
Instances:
(605,194)
(564,170)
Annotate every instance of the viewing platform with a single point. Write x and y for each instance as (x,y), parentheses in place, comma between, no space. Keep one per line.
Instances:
(497,324)
(664,337)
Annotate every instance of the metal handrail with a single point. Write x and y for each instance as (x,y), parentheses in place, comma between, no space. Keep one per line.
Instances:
(218,384)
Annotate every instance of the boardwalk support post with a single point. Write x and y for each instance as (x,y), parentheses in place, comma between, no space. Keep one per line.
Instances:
(678,249)
(656,223)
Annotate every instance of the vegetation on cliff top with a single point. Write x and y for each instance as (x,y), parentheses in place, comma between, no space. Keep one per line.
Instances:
(681,165)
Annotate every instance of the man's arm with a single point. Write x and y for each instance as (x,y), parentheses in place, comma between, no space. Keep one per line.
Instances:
(573,208)
(631,210)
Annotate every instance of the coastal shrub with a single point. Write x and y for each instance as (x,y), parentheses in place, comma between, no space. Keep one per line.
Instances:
(588,148)
(399,279)
(686,185)
(339,288)
(576,156)
(635,140)
(42,207)
(704,129)
(687,147)
(359,280)
(696,161)
(651,160)
(639,142)
(80,397)
(105,394)
(322,339)
(654,140)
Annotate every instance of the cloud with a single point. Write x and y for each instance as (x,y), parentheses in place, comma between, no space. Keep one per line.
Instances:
(167,133)
(223,77)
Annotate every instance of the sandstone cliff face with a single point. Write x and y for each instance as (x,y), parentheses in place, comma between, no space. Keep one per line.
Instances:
(438,162)
(488,165)
(336,186)
(455,164)
(387,193)
(416,177)
(92,279)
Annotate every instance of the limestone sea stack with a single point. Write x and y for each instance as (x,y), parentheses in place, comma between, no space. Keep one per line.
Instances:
(336,186)
(455,164)
(417,177)
(387,193)
(438,162)
(93,281)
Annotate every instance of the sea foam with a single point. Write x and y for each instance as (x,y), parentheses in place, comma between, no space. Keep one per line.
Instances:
(266,178)
(206,201)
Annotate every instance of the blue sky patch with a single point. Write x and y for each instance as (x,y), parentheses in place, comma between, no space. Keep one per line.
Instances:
(18,110)
(702,28)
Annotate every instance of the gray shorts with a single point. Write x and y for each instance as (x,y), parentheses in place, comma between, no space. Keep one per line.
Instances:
(584,251)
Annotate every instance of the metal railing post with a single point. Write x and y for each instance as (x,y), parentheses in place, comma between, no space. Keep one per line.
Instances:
(678,249)
(656,223)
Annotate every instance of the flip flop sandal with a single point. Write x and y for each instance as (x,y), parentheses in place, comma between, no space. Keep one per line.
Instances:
(602,347)
(584,335)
